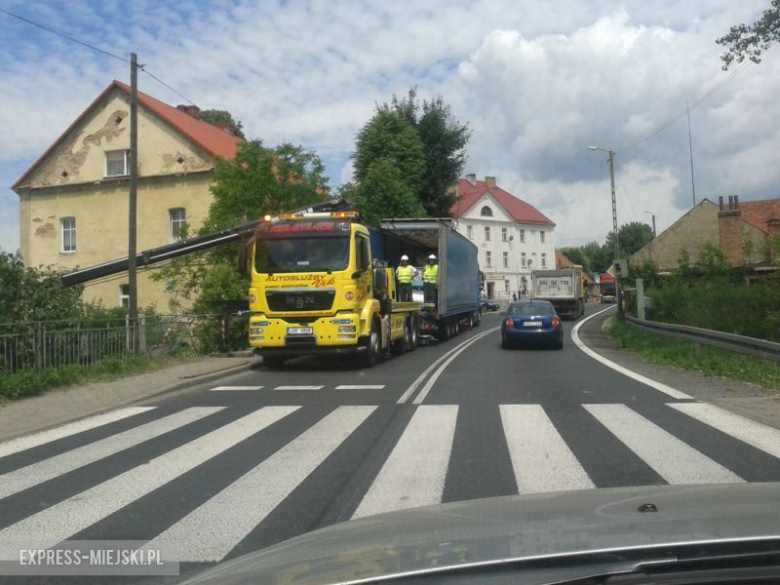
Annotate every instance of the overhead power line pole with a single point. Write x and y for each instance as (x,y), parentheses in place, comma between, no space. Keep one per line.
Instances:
(132,215)
(690,150)
(615,231)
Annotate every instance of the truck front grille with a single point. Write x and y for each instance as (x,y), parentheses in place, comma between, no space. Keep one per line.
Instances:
(300,300)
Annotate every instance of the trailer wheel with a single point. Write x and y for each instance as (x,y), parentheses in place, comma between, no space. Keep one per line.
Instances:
(371,355)
(477,318)
(444,330)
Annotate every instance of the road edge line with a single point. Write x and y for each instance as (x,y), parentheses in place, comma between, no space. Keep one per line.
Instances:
(668,390)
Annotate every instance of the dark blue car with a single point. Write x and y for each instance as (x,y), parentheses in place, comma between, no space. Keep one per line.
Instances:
(531,322)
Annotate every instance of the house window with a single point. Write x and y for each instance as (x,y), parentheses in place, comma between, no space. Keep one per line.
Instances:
(177,220)
(470,232)
(522,236)
(506,285)
(522,259)
(506,259)
(486,212)
(488,259)
(544,260)
(504,235)
(541,236)
(533,235)
(124,295)
(117,164)
(487,234)
(68,231)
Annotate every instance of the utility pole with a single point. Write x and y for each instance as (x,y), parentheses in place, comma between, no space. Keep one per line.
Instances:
(690,150)
(653,216)
(618,284)
(132,215)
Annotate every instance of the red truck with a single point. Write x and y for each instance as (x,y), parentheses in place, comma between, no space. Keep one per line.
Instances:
(607,287)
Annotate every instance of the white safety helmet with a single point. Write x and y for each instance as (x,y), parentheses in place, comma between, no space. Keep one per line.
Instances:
(432,257)
(404,257)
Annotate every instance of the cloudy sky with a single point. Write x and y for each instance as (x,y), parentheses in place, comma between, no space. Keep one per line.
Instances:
(536,81)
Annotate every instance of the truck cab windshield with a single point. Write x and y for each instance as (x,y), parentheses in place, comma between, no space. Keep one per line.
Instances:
(302,254)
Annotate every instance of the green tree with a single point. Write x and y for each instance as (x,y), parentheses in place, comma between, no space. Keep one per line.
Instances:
(751,40)
(600,256)
(633,237)
(219,117)
(389,136)
(444,142)
(383,193)
(29,294)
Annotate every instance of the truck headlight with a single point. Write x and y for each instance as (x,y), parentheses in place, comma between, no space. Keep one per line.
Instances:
(255,330)
(347,329)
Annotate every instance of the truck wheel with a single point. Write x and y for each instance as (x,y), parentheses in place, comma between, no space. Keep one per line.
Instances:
(478,317)
(274,362)
(414,333)
(371,355)
(444,330)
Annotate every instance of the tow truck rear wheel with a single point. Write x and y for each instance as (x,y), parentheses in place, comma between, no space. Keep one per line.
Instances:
(399,346)
(413,333)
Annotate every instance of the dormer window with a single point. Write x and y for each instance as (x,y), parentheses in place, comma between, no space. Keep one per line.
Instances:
(486,212)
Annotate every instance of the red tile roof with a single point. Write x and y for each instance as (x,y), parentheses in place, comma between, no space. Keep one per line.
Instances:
(562,261)
(519,210)
(212,139)
(757,213)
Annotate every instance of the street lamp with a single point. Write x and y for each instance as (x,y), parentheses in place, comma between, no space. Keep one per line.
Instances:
(611,154)
(653,216)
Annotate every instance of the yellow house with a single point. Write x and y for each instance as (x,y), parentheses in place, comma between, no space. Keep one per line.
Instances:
(74,198)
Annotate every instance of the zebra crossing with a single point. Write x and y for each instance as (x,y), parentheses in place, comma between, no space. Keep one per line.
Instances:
(411,472)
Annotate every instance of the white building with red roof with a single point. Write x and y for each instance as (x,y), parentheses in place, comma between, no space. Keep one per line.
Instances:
(513,236)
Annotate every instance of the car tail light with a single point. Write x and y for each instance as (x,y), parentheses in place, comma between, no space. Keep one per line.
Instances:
(510,322)
(556,322)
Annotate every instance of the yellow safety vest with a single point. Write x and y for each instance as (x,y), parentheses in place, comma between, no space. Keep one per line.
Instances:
(404,274)
(431,272)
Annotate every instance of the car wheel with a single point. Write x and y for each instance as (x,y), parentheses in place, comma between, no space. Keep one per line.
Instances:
(559,344)
(505,343)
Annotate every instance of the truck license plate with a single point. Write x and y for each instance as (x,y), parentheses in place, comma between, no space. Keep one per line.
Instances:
(532,324)
(300,330)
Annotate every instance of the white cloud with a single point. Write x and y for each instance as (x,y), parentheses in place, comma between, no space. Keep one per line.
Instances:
(536,81)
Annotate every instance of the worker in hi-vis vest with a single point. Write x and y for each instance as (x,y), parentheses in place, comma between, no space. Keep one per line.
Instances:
(431,282)
(405,273)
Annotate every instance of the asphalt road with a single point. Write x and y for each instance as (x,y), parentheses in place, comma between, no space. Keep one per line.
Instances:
(231,467)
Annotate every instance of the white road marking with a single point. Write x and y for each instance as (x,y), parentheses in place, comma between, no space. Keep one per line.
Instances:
(413,388)
(541,459)
(668,390)
(360,387)
(299,388)
(212,530)
(26,477)
(414,473)
(79,426)
(675,461)
(748,431)
(58,522)
(432,380)
(236,388)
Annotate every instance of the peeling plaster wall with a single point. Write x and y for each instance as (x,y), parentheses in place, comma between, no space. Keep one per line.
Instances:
(81,157)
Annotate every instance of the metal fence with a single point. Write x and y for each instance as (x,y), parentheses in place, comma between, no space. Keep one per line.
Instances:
(53,344)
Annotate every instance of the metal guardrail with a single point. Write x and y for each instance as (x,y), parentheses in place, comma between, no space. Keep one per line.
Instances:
(768,350)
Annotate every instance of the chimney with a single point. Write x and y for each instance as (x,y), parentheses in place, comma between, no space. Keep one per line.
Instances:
(472,178)
(193,111)
(490,182)
(730,231)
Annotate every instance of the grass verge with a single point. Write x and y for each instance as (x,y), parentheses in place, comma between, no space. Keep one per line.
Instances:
(666,351)
(33,383)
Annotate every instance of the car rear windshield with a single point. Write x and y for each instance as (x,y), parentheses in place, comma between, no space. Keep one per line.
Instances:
(531,309)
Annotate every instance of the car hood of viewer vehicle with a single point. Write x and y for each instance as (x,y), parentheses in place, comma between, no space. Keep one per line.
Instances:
(495,530)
